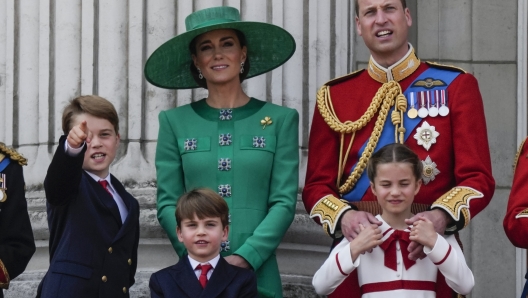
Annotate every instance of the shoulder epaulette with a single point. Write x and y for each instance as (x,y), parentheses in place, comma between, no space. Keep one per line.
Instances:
(343,78)
(443,66)
(516,160)
(12,154)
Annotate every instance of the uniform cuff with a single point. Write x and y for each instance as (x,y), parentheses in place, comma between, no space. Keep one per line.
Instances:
(329,210)
(456,203)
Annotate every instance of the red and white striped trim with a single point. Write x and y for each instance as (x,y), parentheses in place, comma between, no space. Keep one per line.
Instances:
(445,258)
(339,265)
(398,285)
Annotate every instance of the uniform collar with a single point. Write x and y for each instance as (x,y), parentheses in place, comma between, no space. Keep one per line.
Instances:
(396,72)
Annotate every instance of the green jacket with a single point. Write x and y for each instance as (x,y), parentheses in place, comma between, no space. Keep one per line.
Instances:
(254,167)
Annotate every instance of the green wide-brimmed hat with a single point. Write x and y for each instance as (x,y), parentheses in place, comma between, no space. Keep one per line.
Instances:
(268,47)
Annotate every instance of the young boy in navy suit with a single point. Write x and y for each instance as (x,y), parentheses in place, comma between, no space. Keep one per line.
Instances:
(202,219)
(93,221)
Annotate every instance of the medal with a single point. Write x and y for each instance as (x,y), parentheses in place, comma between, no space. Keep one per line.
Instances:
(429,170)
(3,196)
(422,112)
(412,113)
(444,110)
(426,135)
(433,110)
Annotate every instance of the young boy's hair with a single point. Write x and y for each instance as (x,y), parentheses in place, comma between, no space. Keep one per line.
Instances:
(394,153)
(204,203)
(89,104)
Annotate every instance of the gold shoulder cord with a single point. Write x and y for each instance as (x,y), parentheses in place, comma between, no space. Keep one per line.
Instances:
(384,99)
(12,154)
(516,160)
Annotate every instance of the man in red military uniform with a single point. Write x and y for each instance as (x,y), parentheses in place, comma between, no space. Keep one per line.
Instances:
(516,219)
(435,110)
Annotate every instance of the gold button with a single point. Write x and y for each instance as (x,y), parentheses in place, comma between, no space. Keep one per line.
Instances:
(129,261)
(110,250)
(104,279)
(124,290)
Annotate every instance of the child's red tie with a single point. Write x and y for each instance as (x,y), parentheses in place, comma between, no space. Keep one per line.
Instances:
(203,276)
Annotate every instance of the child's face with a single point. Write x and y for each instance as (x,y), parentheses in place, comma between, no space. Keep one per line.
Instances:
(202,237)
(102,148)
(395,187)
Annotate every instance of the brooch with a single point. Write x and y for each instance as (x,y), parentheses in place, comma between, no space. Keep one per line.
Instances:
(226,114)
(224,190)
(224,139)
(265,121)
(190,144)
(429,170)
(224,246)
(426,135)
(259,142)
(224,164)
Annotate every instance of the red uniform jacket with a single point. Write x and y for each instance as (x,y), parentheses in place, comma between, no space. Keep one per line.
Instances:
(516,219)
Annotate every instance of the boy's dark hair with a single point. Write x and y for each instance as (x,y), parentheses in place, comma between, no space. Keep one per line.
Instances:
(394,153)
(89,104)
(204,203)
(194,71)
(356,5)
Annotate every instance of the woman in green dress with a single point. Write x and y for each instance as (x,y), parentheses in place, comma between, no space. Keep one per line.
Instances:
(244,148)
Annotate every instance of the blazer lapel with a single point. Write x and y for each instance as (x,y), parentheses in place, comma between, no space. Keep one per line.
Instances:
(186,279)
(105,199)
(220,279)
(133,210)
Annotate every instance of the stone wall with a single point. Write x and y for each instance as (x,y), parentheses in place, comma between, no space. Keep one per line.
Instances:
(54,50)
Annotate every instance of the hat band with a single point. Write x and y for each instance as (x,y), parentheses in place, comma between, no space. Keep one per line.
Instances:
(212,22)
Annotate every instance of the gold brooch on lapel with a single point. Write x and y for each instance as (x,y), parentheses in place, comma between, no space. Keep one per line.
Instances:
(265,121)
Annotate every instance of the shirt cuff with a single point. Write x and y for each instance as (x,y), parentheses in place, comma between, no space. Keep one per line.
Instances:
(72,151)
(440,250)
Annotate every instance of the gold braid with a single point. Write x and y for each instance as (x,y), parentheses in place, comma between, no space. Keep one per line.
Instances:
(382,101)
(12,154)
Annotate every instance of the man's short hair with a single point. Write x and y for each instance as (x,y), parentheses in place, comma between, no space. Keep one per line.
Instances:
(203,203)
(89,104)
(356,5)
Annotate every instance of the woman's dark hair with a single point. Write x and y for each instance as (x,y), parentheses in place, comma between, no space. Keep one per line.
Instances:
(202,82)
(394,153)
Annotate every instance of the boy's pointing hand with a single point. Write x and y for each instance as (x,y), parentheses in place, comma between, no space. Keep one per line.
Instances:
(78,135)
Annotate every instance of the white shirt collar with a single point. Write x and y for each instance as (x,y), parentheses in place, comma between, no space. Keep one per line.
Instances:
(213,262)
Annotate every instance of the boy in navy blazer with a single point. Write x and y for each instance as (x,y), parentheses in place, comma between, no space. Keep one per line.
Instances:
(93,221)
(202,219)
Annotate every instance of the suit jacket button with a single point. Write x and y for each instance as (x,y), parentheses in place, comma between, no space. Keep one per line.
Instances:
(124,290)
(110,250)
(129,261)
(104,279)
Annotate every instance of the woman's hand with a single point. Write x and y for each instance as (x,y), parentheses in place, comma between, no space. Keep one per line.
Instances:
(368,238)
(238,261)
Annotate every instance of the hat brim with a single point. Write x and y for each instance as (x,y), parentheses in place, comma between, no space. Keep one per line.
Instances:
(268,46)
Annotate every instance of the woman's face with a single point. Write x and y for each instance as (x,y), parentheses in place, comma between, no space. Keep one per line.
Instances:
(218,56)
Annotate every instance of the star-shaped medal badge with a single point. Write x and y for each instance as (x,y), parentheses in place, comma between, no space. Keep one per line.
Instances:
(429,170)
(426,135)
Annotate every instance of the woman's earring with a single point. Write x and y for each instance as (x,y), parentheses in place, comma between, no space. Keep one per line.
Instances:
(200,75)
(242,67)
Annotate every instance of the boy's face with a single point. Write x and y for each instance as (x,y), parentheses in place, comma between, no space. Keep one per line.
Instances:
(102,148)
(395,187)
(202,237)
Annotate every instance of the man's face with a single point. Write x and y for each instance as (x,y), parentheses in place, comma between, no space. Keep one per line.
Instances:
(384,26)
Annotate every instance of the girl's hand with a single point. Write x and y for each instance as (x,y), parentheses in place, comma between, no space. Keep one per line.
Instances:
(368,238)
(424,233)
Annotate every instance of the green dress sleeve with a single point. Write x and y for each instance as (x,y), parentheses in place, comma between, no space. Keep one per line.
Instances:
(282,200)
(170,180)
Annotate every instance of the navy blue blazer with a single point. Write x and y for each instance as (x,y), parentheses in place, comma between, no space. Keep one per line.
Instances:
(226,281)
(92,253)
